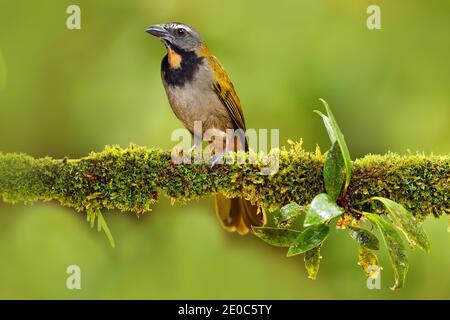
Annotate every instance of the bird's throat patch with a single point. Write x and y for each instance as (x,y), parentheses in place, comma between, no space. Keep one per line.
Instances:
(174,59)
(179,66)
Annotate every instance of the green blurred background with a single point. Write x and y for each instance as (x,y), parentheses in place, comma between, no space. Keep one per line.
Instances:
(66,93)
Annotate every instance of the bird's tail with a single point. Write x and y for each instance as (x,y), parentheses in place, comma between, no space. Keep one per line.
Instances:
(238,214)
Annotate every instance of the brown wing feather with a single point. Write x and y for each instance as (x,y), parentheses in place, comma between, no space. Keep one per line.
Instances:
(224,89)
(235,214)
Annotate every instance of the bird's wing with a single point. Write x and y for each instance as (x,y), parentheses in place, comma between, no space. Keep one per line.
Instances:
(226,93)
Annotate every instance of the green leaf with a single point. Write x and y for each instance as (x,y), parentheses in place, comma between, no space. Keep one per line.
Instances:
(310,238)
(290,211)
(90,217)
(395,246)
(328,126)
(275,236)
(312,262)
(368,261)
(407,223)
(287,217)
(333,173)
(322,209)
(101,225)
(336,135)
(364,237)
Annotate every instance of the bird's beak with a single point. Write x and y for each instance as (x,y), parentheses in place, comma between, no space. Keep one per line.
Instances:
(158,31)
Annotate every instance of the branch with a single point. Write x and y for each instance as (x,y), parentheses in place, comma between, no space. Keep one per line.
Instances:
(132,179)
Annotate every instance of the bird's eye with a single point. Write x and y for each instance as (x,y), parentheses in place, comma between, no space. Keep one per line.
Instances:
(180,32)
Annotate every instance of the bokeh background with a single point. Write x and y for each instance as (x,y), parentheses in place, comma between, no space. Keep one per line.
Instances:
(66,93)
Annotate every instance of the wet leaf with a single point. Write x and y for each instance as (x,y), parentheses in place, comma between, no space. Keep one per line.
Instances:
(312,262)
(407,223)
(290,211)
(310,238)
(322,209)
(336,135)
(368,261)
(364,237)
(333,173)
(328,126)
(395,246)
(276,236)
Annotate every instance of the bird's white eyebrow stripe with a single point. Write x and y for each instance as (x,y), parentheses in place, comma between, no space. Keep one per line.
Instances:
(177,25)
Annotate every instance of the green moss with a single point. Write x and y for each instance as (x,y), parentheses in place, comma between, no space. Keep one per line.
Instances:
(131,180)
(420,183)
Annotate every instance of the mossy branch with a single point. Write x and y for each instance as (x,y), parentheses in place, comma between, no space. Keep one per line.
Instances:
(132,179)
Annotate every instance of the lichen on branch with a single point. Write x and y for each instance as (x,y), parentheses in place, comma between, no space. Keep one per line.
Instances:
(133,178)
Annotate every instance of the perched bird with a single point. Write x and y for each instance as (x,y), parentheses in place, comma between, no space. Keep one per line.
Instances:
(199,89)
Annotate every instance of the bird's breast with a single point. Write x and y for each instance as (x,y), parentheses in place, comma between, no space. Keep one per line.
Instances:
(195,100)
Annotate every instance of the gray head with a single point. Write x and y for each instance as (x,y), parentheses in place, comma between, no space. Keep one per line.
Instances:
(176,36)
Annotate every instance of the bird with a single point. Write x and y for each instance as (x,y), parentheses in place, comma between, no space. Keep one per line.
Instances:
(199,89)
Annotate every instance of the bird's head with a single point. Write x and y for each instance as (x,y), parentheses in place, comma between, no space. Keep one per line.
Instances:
(177,36)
